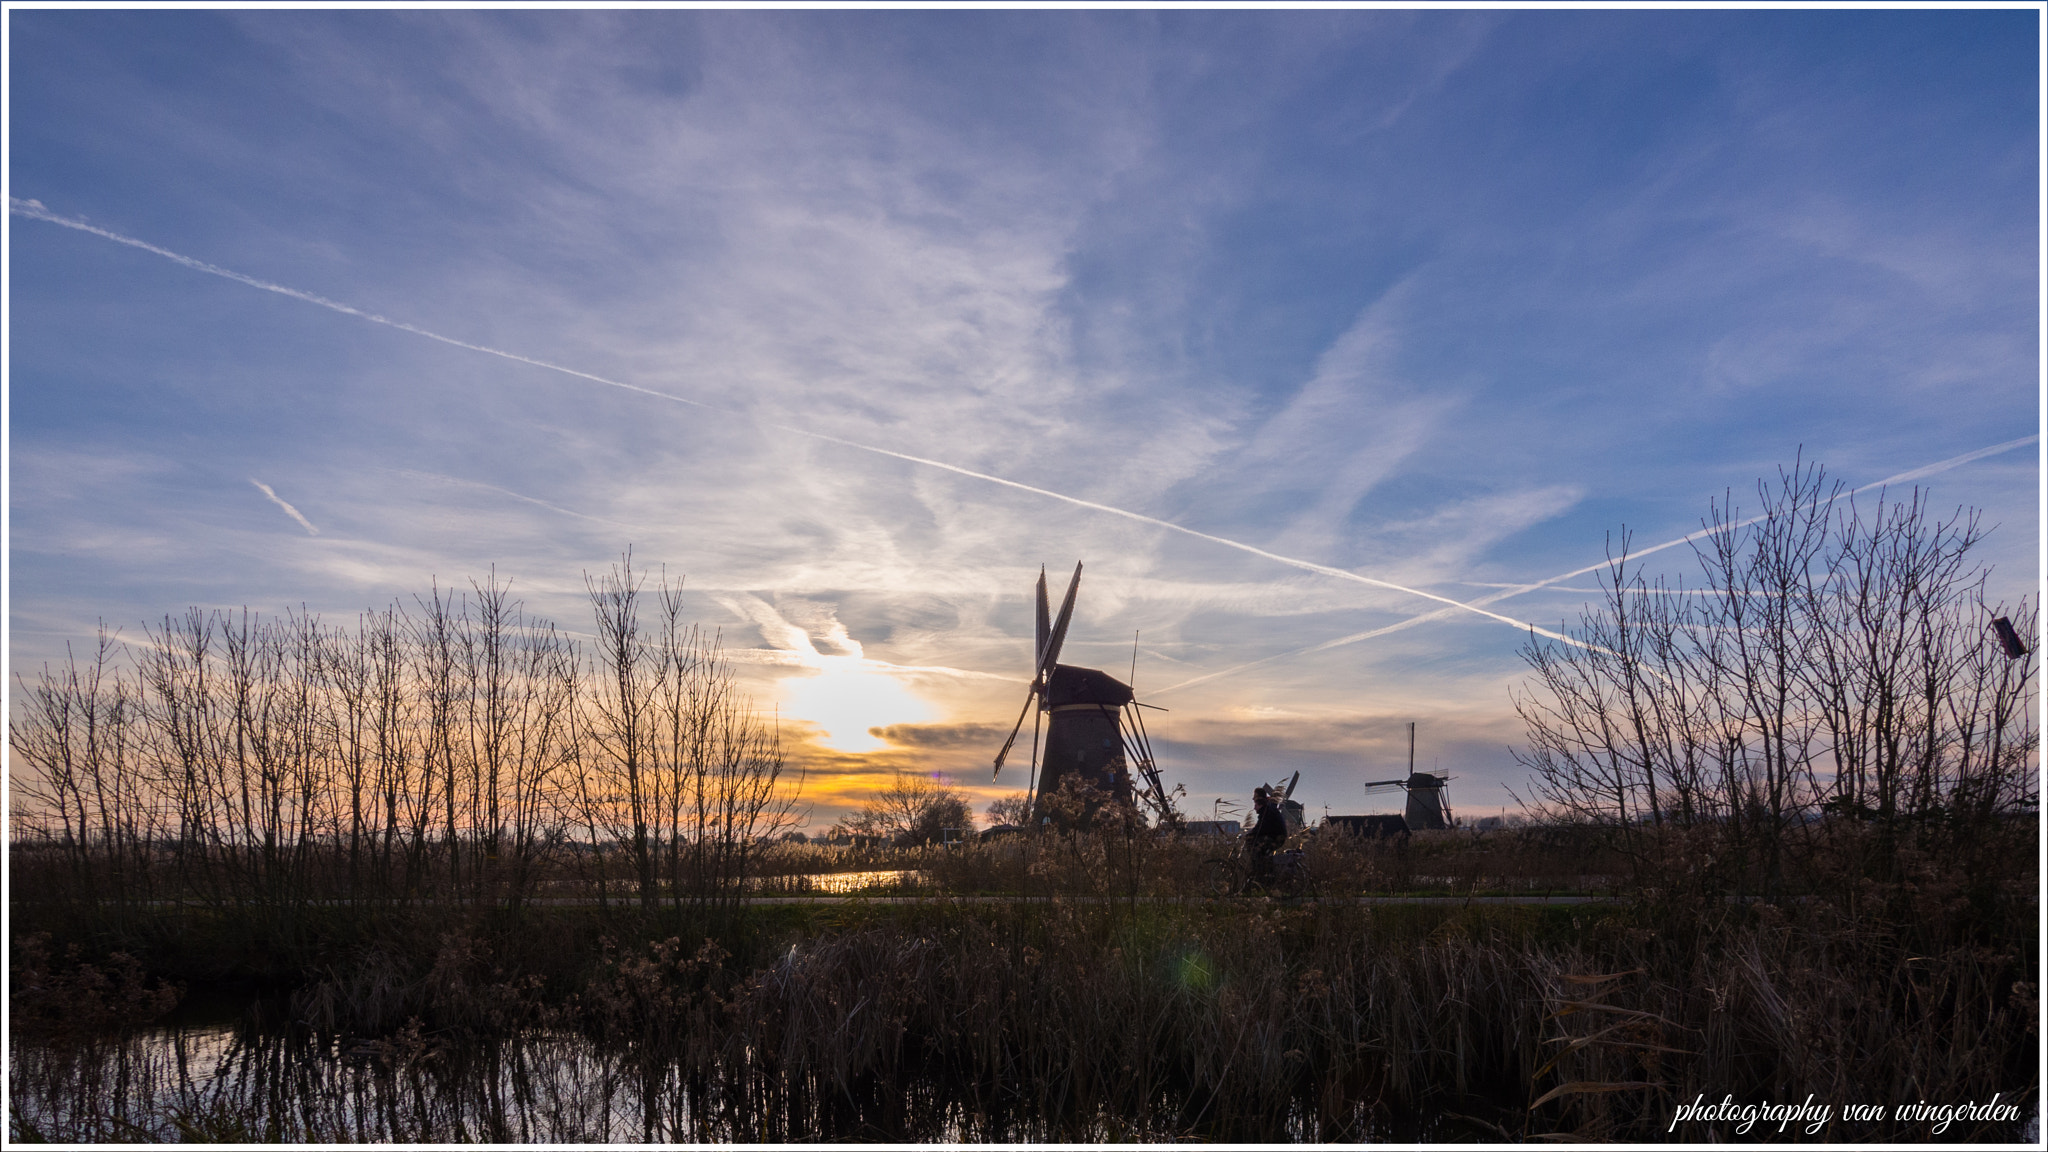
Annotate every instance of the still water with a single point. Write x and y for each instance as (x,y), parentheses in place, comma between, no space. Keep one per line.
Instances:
(840,883)
(241,1085)
(210,1080)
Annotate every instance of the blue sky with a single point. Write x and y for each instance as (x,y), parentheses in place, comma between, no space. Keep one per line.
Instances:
(1440,299)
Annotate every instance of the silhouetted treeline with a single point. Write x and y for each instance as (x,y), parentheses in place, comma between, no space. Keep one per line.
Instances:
(1839,658)
(454,750)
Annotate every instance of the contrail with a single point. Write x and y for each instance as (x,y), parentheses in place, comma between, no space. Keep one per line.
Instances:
(288,509)
(35,210)
(1900,478)
(456,480)
(1518,589)
(1304,565)
(1597,591)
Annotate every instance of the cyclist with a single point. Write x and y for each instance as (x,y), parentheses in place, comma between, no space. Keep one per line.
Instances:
(1267,834)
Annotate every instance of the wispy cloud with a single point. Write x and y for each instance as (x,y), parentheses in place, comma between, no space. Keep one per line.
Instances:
(1353,424)
(1280,321)
(1508,590)
(288,509)
(37,212)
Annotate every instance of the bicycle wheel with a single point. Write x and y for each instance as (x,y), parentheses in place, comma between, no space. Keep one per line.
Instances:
(1219,878)
(1292,876)
(1301,882)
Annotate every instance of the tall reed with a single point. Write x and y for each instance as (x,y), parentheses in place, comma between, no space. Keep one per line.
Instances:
(1100,1019)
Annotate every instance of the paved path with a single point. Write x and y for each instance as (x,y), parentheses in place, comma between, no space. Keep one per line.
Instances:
(854,898)
(1449,901)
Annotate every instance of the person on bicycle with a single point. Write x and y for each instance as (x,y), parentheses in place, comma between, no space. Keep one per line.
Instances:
(1266,835)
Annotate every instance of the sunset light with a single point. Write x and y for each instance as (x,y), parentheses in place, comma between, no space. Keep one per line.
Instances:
(846,696)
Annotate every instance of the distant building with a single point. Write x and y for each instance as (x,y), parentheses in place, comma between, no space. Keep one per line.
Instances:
(1373,826)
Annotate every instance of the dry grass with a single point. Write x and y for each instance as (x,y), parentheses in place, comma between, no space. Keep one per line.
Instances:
(1081,1016)
(1092,1020)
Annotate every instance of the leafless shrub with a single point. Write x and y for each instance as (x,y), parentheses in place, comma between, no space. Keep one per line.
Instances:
(913,810)
(1838,659)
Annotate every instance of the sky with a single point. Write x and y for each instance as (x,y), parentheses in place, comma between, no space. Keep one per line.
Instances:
(1290,326)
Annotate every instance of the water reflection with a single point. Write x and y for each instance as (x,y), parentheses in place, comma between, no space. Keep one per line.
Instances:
(839,883)
(238,1085)
(245,1085)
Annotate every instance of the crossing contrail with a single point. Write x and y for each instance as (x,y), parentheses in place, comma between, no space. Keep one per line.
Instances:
(1900,478)
(1518,589)
(34,209)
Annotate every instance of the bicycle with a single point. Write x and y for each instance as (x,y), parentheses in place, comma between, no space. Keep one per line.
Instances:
(1232,875)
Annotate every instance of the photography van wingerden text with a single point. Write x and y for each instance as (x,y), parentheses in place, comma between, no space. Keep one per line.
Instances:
(1812,1117)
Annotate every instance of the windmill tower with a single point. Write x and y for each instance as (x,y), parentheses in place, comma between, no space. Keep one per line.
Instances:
(1091,720)
(1429,807)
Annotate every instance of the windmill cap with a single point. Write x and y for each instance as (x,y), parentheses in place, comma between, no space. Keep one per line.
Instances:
(1071,685)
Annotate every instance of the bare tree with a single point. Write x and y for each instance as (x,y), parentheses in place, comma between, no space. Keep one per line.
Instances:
(622,797)
(72,743)
(440,754)
(1837,658)
(1012,809)
(911,810)
(440,639)
(520,735)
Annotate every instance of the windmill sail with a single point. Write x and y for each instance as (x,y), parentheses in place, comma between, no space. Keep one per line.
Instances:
(1049,652)
(1050,637)
(1044,622)
(1012,741)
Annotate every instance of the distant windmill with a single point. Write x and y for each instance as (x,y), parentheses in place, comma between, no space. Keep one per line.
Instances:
(1290,808)
(1428,803)
(1092,723)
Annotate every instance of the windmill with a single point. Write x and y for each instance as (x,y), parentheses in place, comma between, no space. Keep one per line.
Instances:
(1092,725)
(1429,807)
(1290,808)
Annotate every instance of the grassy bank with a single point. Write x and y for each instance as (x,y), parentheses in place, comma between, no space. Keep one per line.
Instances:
(1099,1018)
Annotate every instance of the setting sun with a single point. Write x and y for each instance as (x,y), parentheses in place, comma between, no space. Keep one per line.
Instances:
(846,696)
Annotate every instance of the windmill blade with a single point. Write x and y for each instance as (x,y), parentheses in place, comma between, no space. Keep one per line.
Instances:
(1050,657)
(1138,754)
(1044,624)
(1150,764)
(1029,697)
(1031,779)
(1292,781)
